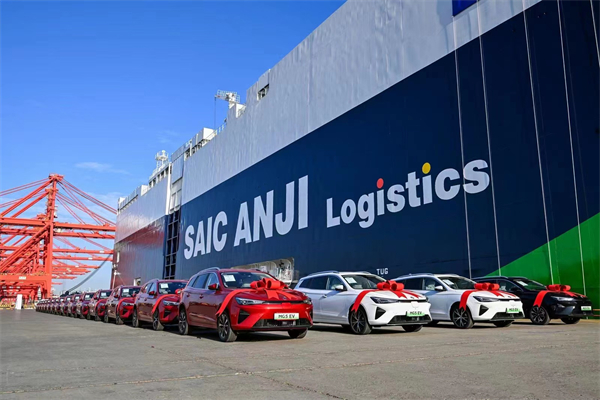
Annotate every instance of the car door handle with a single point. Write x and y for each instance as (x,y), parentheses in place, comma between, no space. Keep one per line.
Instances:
(200,296)
(187,295)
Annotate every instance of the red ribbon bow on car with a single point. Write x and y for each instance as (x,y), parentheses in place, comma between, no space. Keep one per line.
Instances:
(563,289)
(269,286)
(387,286)
(480,287)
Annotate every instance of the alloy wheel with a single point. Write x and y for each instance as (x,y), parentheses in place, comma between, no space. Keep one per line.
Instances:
(224,326)
(183,326)
(461,318)
(357,322)
(156,324)
(539,315)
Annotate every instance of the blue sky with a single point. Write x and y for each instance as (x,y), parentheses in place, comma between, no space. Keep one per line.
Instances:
(92,90)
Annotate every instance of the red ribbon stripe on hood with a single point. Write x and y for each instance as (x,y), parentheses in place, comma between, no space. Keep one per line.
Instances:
(562,289)
(157,303)
(269,286)
(483,287)
(387,286)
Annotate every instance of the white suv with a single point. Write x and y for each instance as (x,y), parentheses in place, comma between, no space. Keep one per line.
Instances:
(445,292)
(333,294)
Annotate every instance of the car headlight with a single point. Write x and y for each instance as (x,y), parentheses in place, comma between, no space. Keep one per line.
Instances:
(383,300)
(247,302)
(170,303)
(566,299)
(307,301)
(484,299)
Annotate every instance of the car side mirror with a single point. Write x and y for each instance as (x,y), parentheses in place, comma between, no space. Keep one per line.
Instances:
(213,286)
(338,288)
(152,293)
(116,296)
(439,288)
(178,291)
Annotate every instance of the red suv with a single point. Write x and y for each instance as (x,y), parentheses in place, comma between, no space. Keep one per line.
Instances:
(64,306)
(72,306)
(119,305)
(81,307)
(97,305)
(157,302)
(241,300)
(56,305)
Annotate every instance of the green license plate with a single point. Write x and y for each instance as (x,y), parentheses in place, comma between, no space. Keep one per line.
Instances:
(586,308)
(513,310)
(415,313)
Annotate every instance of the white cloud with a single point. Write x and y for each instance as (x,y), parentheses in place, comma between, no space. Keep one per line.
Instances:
(101,168)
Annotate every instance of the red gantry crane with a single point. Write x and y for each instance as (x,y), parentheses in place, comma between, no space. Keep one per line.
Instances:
(38,249)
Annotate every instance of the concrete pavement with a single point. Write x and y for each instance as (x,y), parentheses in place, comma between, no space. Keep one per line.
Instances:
(53,357)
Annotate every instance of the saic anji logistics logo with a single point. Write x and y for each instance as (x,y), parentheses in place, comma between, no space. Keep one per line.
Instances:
(263,221)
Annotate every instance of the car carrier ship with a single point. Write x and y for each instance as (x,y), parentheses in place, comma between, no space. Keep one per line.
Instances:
(399,137)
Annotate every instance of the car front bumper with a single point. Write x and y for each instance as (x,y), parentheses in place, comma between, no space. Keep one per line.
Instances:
(495,311)
(397,313)
(570,309)
(261,317)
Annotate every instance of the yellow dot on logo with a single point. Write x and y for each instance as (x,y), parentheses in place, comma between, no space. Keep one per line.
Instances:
(426,168)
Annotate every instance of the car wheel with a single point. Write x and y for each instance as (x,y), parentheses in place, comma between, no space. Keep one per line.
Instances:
(412,328)
(96,316)
(298,334)
(118,319)
(570,320)
(359,323)
(226,334)
(539,316)
(135,322)
(461,318)
(106,320)
(87,316)
(502,324)
(184,328)
(156,324)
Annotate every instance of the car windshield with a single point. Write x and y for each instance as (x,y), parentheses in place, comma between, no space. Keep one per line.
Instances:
(170,287)
(88,296)
(76,297)
(105,294)
(239,280)
(457,282)
(529,284)
(128,292)
(363,281)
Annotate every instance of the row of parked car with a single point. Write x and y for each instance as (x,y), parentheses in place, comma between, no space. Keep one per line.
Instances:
(235,301)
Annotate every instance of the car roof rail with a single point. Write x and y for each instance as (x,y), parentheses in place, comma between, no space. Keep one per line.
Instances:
(209,269)
(490,277)
(321,272)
